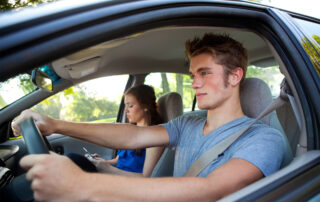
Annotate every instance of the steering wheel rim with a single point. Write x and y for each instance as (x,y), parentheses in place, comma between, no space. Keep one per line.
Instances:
(34,141)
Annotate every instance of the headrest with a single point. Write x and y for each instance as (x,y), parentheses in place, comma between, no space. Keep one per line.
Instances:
(170,106)
(255,96)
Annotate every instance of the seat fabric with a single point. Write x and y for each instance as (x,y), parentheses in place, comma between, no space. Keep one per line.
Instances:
(169,107)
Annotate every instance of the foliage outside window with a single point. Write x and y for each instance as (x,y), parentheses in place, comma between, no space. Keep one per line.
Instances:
(172,82)
(15,88)
(271,75)
(18,4)
(96,100)
(311,41)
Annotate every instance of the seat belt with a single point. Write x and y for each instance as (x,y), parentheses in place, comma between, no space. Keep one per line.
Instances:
(209,156)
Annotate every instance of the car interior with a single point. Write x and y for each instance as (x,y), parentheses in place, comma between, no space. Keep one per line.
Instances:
(162,50)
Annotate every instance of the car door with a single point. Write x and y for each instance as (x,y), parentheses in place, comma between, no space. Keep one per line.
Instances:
(298,181)
(102,22)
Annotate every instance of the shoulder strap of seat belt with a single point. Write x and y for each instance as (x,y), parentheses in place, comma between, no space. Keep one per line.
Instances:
(203,161)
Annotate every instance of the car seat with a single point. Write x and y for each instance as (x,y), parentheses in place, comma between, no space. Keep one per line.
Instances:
(290,125)
(169,107)
(255,96)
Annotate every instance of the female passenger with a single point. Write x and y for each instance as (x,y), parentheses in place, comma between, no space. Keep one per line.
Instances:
(140,109)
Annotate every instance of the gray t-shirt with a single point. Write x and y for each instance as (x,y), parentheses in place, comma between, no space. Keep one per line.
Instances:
(261,145)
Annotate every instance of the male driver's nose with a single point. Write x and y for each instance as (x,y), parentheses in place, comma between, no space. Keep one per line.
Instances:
(196,83)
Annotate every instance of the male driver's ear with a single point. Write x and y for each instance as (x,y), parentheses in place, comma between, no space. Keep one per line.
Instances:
(235,76)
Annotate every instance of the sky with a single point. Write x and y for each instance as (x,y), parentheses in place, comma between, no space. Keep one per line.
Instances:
(306,7)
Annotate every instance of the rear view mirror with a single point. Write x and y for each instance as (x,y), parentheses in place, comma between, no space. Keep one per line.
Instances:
(42,80)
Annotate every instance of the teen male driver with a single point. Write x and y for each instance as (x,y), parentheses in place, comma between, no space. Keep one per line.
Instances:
(218,66)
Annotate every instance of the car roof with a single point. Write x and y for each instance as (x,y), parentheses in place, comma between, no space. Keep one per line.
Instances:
(142,52)
(157,50)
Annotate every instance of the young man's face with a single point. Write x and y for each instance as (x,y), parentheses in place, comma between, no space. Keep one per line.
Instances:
(208,81)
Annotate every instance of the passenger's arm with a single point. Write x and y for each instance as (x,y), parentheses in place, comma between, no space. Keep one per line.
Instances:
(113,161)
(75,184)
(153,155)
(117,136)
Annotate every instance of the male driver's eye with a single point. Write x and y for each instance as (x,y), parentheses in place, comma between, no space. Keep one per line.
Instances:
(204,73)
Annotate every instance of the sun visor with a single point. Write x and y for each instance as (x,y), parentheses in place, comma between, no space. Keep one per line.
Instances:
(82,69)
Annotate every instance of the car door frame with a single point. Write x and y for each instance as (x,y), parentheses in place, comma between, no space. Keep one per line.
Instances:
(106,23)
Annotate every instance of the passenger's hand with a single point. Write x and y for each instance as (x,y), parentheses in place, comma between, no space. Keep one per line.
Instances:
(45,124)
(54,177)
(95,155)
(102,165)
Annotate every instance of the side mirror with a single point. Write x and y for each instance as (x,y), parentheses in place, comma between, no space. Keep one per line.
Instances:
(42,80)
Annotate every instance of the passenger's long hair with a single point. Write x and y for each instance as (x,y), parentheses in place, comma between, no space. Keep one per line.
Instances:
(146,97)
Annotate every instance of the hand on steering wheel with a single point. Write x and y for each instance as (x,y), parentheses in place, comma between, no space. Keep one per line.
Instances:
(35,142)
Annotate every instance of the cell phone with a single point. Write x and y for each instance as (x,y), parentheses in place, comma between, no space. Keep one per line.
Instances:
(87,152)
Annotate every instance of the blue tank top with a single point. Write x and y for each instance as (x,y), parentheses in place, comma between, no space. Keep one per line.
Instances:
(130,161)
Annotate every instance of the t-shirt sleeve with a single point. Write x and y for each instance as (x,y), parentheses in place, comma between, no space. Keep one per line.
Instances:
(174,128)
(265,149)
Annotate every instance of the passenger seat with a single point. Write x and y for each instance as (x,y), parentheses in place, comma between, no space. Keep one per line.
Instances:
(169,107)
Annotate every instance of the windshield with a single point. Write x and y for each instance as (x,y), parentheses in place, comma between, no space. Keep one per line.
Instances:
(15,88)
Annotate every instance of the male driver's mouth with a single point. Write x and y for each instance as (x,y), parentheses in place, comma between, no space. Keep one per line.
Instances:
(200,95)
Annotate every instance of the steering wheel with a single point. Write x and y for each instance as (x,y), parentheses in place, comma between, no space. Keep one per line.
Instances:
(20,188)
(34,141)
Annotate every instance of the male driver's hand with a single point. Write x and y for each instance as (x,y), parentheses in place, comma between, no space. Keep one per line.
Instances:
(45,124)
(54,177)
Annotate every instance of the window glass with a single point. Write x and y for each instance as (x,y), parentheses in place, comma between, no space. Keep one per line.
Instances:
(308,27)
(97,100)
(270,75)
(15,88)
(172,82)
(311,41)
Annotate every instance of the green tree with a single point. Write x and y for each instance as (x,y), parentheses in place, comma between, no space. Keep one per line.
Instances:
(10,5)
(89,108)
(179,82)
(2,102)
(20,82)
(188,92)
(165,83)
(26,84)
(51,107)
(313,50)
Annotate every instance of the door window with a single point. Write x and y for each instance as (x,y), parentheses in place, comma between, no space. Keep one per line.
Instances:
(173,82)
(311,41)
(97,100)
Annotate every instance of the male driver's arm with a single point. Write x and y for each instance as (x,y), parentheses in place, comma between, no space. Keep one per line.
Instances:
(117,136)
(228,178)
(75,184)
